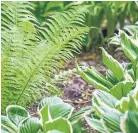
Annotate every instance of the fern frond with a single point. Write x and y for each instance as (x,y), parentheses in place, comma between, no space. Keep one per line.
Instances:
(31,54)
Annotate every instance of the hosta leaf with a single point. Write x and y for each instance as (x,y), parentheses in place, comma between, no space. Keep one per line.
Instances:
(79,114)
(59,124)
(54,131)
(7,125)
(113,65)
(105,98)
(110,77)
(137,71)
(78,127)
(45,114)
(93,73)
(90,79)
(3,131)
(111,121)
(95,124)
(54,107)
(61,110)
(129,46)
(16,113)
(129,122)
(121,89)
(127,103)
(30,125)
(50,101)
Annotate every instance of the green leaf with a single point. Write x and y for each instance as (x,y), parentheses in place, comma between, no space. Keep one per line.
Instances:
(127,103)
(54,131)
(7,125)
(121,89)
(91,80)
(61,110)
(54,107)
(30,125)
(93,73)
(111,121)
(59,124)
(45,114)
(113,65)
(50,101)
(129,123)
(16,113)
(95,124)
(79,114)
(104,98)
(129,46)
(78,127)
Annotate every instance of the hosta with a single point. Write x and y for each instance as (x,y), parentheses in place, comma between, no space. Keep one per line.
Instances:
(116,100)
(112,115)
(54,116)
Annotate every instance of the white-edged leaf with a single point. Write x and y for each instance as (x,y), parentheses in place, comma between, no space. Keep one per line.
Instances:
(121,89)
(111,121)
(95,124)
(59,124)
(127,103)
(105,98)
(30,125)
(61,110)
(45,114)
(50,101)
(113,65)
(129,122)
(16,113)
(129,46)
(90,79)
(7,125)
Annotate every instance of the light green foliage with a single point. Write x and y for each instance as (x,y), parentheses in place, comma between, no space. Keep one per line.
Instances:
(32,53)
(54,116)
(119,79)
(115,104)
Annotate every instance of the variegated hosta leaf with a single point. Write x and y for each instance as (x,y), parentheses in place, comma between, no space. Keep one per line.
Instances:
(127,103)
(132,29)
(105,98)
(50,101)
(129,46)
(54,131)
(45,114)
(30,125)
(7,126)
(113,65)
(111,77)
(16,113)
(79,114)
(129,122)
(95,124)
(111,121)
(135,91)
(121,89)
(91,78)
(54,107)
(59,124)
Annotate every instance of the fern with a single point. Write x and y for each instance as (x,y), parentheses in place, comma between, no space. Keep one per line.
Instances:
(32,53)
